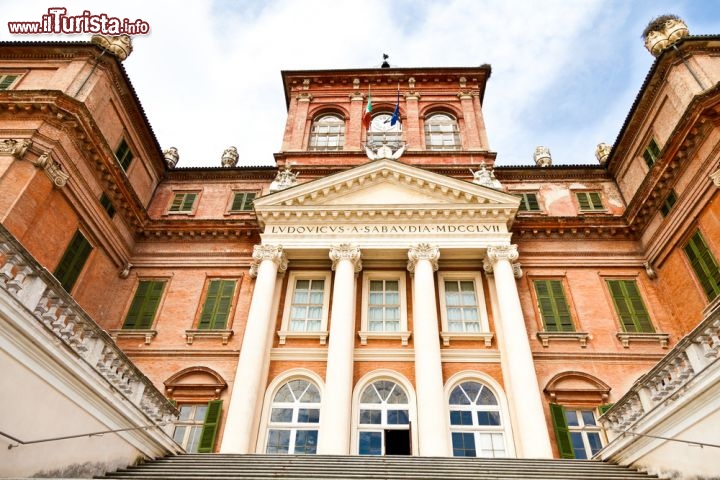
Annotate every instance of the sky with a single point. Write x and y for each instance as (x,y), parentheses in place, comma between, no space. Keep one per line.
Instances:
(564,73)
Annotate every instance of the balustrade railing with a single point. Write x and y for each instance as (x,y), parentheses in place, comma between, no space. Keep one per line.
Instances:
(38,291)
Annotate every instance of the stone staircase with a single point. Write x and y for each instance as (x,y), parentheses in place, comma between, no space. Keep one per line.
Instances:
(311,467)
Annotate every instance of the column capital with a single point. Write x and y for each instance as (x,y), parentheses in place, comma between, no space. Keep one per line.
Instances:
(346,251)
(423,251)
(274,253)
(715,177)
(502,252)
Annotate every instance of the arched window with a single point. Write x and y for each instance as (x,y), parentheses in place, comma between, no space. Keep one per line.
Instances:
(382,132)
(476,422)
(294,419)
(328,133)
(384,423)
(441,132)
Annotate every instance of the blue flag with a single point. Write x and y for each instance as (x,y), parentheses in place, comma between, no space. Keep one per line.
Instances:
(396,114)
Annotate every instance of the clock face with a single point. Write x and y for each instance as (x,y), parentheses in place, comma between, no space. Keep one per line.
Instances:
(381,123)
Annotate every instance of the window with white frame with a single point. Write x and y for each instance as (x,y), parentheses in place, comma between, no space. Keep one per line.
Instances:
(441,132)
(307,303)
(585,433)
(328,133)
(294,419)
(462,307)
(476,425)
(384,313)
(189,426)
(383,406)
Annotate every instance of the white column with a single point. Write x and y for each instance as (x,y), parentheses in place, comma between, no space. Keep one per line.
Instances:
(336,407)
(522,387)
(252,369)
(432,425)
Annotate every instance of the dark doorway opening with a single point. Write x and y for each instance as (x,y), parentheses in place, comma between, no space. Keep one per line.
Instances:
(397,442)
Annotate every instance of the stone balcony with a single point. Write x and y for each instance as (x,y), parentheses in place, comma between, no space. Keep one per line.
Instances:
(57,355)
(668,423)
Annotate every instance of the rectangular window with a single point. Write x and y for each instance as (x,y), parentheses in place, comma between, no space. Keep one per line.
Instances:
(704,264)
(107,205)
(528,202)
(189,426)
(124,155)
(384,306)
(629,306)
(307,305)
(553,306)
(183,202)
(216,309)
(652,153)
(589,201)
(668,204)
(6,81)
(461,305)
(144,305)
(242,201)
(73,261)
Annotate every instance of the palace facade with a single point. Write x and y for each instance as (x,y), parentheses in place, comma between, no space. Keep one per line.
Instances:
(386,288)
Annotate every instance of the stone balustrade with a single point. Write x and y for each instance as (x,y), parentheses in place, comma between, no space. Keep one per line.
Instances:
(664,383)
(38,291)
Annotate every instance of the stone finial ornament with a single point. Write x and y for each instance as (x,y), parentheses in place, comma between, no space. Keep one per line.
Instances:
(602,152)
(542,156)
(285,179)
(385,151)
(662,32)
(171,157)
(486,177)
(118,45)
(229,157)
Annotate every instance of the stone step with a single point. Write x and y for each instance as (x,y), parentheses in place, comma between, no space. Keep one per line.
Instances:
(310,467)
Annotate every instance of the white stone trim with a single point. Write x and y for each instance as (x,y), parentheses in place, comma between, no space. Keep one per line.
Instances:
(272,389)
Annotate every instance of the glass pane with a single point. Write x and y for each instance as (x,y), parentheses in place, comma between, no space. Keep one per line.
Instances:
(314,313)
(384,388)
(571,418)
(179,434)
(376,326)
(458,397)
(185,412)
(472,327)
(309,415)
(594,441)
(370,417)
(454,314)
(463,444)
(370,443)
(312,395)
(397,417)
(392,286)
(468,298)
(455,326)
(281,415)
(451,286)
(278,441)
(194,440)
(392,327)
(370,396)
(398,397)
(472,389)
(468,286)
(300,297)
(375,299)
(305,442)
(488,418)
(298,388)
(284,395)
(376,285)
(302,284)
(318,285)
(487,398)
(588,417)
(460,418)
(578,445)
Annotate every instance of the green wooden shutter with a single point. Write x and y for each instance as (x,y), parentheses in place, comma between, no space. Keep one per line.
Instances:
(243,201)
(629,306)
(554,309)
(6,81)
(210,427)
(144,305)
(562,433)
(188,202)
(72,261)
(218,300)
(124,154)
(107,205)
(704,264)
(583,200)
(596,201)
(604,408)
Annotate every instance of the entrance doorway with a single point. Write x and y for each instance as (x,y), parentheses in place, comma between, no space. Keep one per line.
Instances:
(397,442)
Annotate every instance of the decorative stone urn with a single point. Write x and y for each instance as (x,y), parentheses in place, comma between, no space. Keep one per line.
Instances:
(542,156)
(118,45)
(602,151)
(663,31)
(229,157)
(171,157)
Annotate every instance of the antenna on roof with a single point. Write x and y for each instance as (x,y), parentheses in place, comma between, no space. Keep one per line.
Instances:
(385,63)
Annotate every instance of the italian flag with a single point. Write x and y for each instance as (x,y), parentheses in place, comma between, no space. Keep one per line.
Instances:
(368,111)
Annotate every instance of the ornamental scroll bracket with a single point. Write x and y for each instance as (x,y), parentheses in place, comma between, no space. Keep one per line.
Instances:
(52,169)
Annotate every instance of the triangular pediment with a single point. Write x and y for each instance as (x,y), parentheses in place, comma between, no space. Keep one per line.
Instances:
(387,186)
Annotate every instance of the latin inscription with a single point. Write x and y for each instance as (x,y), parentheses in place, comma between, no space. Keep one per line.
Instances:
(381,229)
